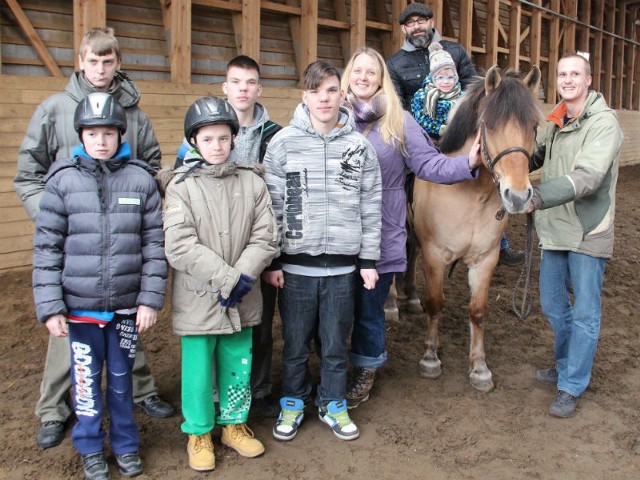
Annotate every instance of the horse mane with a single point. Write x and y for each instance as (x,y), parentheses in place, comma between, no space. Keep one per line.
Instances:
(511,101)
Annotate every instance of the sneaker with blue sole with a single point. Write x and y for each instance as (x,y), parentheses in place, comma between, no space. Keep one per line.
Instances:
(290,418)
(336,416)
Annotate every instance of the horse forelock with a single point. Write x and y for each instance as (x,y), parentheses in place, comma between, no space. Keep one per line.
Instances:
(464,123)
(512,101)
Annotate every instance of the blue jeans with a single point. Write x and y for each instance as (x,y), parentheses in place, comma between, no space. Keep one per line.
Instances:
(576,326)
(91,347)
(504,243)
(368,336)
(311,306)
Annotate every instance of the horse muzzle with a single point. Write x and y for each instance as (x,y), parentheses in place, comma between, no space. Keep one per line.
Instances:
(515,201)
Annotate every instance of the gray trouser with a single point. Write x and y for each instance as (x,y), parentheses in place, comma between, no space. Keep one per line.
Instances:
(56,380)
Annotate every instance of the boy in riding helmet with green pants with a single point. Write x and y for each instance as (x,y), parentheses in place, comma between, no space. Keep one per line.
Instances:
(98,260)
(220,235)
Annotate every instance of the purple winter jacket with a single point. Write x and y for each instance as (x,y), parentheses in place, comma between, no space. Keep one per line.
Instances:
(423,160)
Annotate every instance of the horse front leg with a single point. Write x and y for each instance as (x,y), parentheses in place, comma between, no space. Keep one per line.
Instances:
(430,365)
(479,278)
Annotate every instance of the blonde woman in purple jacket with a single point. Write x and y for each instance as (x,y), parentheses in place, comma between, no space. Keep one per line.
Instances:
(401,146)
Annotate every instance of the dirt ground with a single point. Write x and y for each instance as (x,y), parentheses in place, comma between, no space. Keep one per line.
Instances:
(412,428)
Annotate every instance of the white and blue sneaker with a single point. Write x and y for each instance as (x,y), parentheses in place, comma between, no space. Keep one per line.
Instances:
(290,418)
(336,416)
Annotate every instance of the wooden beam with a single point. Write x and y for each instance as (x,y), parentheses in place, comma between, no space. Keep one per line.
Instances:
(440,10)
(340,8)
(515,14)
(554,50)
(536,35)
(87,14)
(584,14)
(251,29)
(358,24)
(631,66)
(465,27)
(493,20)
(619,59)
(380,15)
(309,32)
(570,27)
(180,58)
(598,46)
(294,26)
(221,4)
(34,38)
(398,37)
(291,8)
(610,25)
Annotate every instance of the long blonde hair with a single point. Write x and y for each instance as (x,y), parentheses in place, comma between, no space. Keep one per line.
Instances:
(391,124)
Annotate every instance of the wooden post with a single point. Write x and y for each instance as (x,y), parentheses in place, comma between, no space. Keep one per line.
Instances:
(180,56)
(380,15)
(584,14)
(493,22)
(515,13)
(554,48)
(358,24)
(570,27)
(536,36)
(437,8)
(631,61)
(294,26)
(465,26)
(346,37)
(609,25)
(619,59)
(87,14)
(597,46)
(251,29)
(309,32)
(396,9)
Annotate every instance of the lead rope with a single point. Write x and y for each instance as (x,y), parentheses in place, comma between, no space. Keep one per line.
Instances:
(524,281)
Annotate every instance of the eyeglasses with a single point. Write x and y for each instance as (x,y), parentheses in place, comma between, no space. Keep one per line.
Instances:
(416,21)
(445,78)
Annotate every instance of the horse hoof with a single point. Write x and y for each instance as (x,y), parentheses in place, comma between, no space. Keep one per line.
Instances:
(430,368)
(391,314)
(481,381)
(413,305)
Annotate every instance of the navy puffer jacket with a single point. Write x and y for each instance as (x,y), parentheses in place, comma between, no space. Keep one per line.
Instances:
(99,243)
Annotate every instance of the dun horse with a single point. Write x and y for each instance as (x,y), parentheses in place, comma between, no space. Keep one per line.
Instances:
(465,221)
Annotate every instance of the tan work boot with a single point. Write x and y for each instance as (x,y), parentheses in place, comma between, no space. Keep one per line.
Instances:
(241,439)
(200,450)
(360,386)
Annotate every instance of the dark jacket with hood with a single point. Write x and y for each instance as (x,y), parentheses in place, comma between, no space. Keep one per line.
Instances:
(51,136)
(98,243)
(410,65)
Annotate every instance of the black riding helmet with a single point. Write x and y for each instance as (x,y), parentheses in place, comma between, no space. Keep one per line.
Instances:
(209,111)
(99,110)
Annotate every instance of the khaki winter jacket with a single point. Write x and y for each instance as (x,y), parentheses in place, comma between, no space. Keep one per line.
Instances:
(218,224)
(575,203)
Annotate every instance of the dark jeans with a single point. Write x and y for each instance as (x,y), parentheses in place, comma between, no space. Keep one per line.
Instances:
(311,306)
(263,344)
(91,347)
(368,336)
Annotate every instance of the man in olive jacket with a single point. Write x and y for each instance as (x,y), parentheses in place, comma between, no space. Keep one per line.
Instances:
(574,211)
(51,136)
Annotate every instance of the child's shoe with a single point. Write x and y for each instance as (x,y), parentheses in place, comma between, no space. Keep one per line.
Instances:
(200,450)
(290,418)
(336,416)
(129,464)
(95,466)
(241,439)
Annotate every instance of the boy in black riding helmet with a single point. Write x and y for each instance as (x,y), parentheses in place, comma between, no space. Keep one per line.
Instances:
(99,265)
(220,235)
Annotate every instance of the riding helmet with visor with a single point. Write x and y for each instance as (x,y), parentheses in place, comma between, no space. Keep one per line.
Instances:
(209,111)
(99,110)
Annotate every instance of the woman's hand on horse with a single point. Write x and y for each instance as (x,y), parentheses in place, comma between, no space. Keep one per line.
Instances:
(474,154)
(370,277)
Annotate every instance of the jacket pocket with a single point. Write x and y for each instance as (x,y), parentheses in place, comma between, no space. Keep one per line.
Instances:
(198,288)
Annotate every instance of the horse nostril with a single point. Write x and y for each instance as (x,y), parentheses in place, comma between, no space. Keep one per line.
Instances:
(506,192)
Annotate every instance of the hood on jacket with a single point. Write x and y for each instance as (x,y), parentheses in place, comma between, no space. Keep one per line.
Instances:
(121,88)
(302,120)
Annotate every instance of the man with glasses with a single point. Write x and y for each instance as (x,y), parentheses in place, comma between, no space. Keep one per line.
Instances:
(409,66)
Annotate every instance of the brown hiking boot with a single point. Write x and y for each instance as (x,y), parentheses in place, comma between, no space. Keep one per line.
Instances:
(200,450)
(241,439)
(361,384)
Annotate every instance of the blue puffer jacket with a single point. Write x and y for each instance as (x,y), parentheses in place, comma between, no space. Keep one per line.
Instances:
(99,243)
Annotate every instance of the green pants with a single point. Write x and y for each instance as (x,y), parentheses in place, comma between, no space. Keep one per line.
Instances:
(232,354)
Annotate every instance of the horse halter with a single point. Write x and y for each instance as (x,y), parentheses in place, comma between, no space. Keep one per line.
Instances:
(491,163)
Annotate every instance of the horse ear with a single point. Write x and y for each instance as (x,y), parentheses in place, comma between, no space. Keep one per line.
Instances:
(492,80)
(532,80)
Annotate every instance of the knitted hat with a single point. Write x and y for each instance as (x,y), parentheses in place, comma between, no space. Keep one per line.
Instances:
(439,59)
(414,9)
